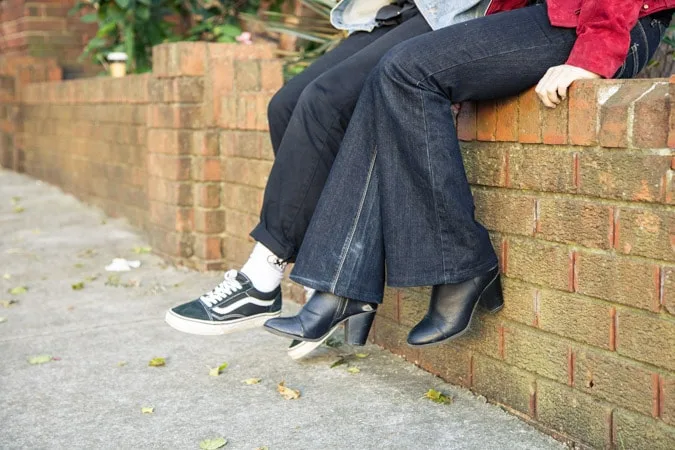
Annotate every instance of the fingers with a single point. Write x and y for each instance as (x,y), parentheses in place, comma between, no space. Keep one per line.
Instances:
(543,88)
(552,88)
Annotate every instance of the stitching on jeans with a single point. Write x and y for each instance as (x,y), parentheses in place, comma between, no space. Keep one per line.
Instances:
(350,237)
(431,175)
(637,59)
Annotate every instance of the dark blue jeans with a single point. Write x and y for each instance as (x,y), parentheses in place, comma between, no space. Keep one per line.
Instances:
(397,199)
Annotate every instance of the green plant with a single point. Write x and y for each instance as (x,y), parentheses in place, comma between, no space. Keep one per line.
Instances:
(216,21)
(315,31)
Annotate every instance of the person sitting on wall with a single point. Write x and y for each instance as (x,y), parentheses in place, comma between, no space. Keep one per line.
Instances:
(397,201)
(308,118)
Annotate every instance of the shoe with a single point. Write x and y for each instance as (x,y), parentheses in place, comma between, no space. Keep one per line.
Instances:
(320,318)
(452,306)
(233,305)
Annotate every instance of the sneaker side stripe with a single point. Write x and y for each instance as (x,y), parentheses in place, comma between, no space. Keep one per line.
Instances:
(240,303)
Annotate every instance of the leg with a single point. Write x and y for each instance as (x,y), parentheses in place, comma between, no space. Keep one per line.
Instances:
(312,139)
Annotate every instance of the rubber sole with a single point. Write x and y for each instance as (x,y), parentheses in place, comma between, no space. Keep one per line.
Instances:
(203,328)
(305,347)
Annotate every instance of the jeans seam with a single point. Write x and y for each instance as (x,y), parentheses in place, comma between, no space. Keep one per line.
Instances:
(350,237)
(431,177)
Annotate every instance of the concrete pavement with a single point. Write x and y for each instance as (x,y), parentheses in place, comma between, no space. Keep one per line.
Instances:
(103,335)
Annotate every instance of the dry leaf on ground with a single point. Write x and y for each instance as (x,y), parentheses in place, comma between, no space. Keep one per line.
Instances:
(213,444)
(438,397)
(157,362)
(19,209)
(288,393)
(353,370)
(252,381)
(121,364)
(340,361)
(362,355)
(215,371)
(18,290)
(77,286)
(39,359)
(141,250)
(8,303)
(147,410)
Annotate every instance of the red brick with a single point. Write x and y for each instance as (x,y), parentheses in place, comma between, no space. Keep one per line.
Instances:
(466,122)
(206,143)
(170,243)
(175,116)
(486,165)
(671,127)
(247,171)
(171,217)
(247,75)
(185,58)
(668,289)
(242,198)
(486,120)
(520,302)
(535,351)
(650,118)
(646,337)
(574,413)
(575,221)
(208,247)
(617,279)
(389,307)
(667,399)
(541,168)
(635,431)
(169,167)
(507,120)
(208,195)
(173,142)
(504,384)
(239,52)
(240,224)
(529,125)
(392,336)
(540,262)
(271,75)
(175,193)
(615,112)
(554,126)
(583,113)
(503,211)
(485,337)
(237,250)
(452,363)
(413,305)
(646,232)
(632,176)
(207,169)
(209,221)
(218,89)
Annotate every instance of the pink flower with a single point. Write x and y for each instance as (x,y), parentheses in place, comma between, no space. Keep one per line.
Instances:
(244,38)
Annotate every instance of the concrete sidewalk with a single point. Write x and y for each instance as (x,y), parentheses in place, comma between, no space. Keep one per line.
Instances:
(86,399)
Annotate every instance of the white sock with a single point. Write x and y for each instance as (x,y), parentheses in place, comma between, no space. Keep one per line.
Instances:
(264,269)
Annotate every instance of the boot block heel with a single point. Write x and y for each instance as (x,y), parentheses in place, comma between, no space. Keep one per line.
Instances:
(492,298)
(358,327)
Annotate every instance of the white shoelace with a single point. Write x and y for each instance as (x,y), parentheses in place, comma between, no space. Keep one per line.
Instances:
(227,287)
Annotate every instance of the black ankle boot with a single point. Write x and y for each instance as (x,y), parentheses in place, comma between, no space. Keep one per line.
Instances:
(452,306)
(319,319)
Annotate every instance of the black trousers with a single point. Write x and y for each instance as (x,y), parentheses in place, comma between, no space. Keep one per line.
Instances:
(308,118)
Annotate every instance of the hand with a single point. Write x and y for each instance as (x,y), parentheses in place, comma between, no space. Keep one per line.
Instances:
(552,88)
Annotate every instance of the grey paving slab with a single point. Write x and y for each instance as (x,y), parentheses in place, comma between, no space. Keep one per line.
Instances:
(85,399)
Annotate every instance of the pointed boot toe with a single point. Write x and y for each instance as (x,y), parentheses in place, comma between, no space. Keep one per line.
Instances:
(285,326)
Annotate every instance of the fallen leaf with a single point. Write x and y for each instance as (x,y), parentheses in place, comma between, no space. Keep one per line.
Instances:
(15,200)
(6,276)
(147,410)
(142,250)
(77,286)
(79,265)
(8,303)
(264,447)
(215,371)
(252,380)
(286,392)
(438,397)
(3,319)
(157,362)
(70,308)
(353,370)
(213,444)
(18,290)
(333,342)
(113,280)
(93,277)
(361,355)
(121,364)
(39,359)
(339,362)
(19,209)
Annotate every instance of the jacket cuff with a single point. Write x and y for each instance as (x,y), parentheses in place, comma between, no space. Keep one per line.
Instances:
(595,56)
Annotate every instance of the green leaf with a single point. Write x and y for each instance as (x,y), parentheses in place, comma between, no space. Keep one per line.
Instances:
(78,286)
(6,276)
(113,280)
(339,362)
(18,290)
(227,30)
(122,3)
(213,444)
(333,343)
(121,364)
(215,371)
(142,250)
(157,362)
(361,355)
(19,209)
(250,381)
(147,410)
(79,265)
(437,397)
(353,370)
(143,13)
(39,359)
(89,18)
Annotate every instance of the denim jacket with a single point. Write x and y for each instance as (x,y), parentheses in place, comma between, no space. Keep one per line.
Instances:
(359,15)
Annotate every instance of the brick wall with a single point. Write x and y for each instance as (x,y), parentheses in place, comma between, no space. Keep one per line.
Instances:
(579,202)
(44,29)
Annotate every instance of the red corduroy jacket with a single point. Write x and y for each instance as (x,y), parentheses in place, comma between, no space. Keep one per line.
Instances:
(603,27)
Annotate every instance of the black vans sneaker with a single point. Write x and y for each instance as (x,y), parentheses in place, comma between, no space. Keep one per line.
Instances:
(233,305)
